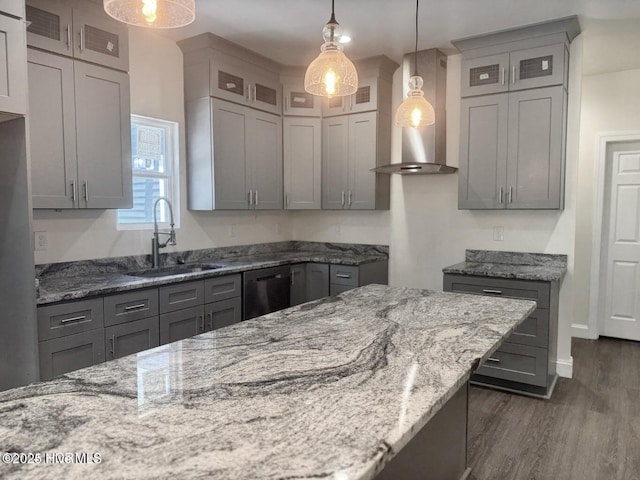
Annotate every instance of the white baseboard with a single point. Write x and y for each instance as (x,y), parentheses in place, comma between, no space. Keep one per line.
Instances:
(579,330)
(564,367)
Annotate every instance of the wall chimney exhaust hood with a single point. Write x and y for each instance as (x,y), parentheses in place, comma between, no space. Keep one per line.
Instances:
(424,148)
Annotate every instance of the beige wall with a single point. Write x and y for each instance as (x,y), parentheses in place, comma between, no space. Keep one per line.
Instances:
(156,91)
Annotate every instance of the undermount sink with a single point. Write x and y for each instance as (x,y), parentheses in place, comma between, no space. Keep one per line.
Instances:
(175,270)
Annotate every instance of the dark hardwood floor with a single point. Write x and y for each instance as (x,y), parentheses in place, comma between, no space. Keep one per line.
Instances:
(589,430)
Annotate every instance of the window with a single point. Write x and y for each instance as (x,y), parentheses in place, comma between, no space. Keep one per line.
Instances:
(154,156)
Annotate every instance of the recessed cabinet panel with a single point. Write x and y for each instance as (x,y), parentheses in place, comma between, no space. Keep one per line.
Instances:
(223,314)
(335,162)
(63,355)
(298,284)
(104,139)
(483,152)
(181,324)
(266,161)
(538,67)
(101,40)
(361,194)
(485,75)
(52,127)
(302,158)
(131,337)
(535,148)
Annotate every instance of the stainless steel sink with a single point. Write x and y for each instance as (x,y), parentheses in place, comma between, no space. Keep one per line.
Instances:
(175,270)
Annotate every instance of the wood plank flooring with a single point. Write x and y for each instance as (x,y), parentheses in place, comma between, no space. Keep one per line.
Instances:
(589,430)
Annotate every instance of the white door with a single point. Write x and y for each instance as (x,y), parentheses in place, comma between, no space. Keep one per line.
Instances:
(622,302)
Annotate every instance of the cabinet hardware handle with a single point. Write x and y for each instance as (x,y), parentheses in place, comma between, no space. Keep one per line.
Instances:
(343,275)
(250,197)
(493,360)
(256,197)
(350,197)
(68,36)
(134,307)
(113,346)
(73,319)
(81,39)
(202,323)
(495,292)
(210,317)
(513,74)
(500,196)
(86,190)
(247,93)
(343,199)
(503,75)
(74,191)
(293,278)
(255,94)
(510,194)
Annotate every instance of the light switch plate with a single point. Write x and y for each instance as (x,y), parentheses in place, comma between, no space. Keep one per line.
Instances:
(40,241)
(498,234)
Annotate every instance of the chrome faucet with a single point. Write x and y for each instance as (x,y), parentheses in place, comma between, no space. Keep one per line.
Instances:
(156,245)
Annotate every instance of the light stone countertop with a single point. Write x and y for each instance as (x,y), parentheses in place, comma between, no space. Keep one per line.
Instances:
(328,389)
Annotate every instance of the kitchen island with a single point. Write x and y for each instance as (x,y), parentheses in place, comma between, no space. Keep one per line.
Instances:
(334,388)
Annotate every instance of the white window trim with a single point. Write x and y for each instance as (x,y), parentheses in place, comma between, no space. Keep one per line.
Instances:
(173,147)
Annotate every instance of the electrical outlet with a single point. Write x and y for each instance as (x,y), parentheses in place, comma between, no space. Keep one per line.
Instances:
(40,241)
(498,234)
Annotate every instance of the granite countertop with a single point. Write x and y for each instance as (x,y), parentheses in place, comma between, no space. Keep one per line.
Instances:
(516,265)
(84,279)
(329,389)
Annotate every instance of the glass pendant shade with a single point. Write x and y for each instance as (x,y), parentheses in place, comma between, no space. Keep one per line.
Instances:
(415,111)
(152,13)
(331,74)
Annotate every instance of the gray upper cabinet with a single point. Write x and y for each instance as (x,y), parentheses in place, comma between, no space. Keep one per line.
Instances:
(302,159)
(297,101)
(513,117)
(79,133)
(78,29)
(234,157)
(352,146)
(364,100)
(12,66)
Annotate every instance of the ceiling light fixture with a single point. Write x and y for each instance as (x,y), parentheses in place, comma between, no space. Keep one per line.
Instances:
(152,13)
(415,111)
(331,74)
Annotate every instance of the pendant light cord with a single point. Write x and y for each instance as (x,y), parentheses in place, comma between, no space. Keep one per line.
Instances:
(333,13)
(415,54)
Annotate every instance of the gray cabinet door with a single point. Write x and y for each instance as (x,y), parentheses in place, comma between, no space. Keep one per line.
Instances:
(536,152)
(50,26)
(222,288)
(13,73)
(264,145)
(337,289)
(52,127)
(131,337)
(63,319)
(361,193)
(298,284)
(126,307)
(366,97)
(181,324)
(299,102)
(335,162)
(65,354)
(302,155)
(181,295)
(483,75)
(224,313)
(103,130)
(317,281)
(230,155)
(538,67)
(100,39)
(483,152)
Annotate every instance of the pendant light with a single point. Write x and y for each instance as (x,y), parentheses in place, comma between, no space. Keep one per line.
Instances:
(415,111)
(152,13)
(331,74)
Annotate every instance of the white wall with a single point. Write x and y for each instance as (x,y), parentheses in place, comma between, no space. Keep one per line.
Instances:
(156,91)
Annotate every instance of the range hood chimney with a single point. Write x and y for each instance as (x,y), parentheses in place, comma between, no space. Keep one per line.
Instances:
(424,149)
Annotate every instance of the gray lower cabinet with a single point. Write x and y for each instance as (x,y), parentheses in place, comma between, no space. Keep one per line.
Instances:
(65,354)
(298,290)
(69,318)
(223,313)
(180,296)
(347,277)
(181,324)
(131,337)
(526,361)
(317,281)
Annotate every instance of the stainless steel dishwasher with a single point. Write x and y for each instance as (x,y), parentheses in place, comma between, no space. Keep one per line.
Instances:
(266,290)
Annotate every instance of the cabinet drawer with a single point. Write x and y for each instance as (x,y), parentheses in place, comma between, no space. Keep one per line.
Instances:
(64,319)
(534,330)
(498,287)
(181,295)
(130,306)
(181,324)
(224,313)
(222,288)
(132,337)
(518,363)
(62,355)
(343,275)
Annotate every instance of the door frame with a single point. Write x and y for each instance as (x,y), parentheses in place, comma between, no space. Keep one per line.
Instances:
(603,141)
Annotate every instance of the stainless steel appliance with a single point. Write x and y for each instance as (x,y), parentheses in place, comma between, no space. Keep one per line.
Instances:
(266,290)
